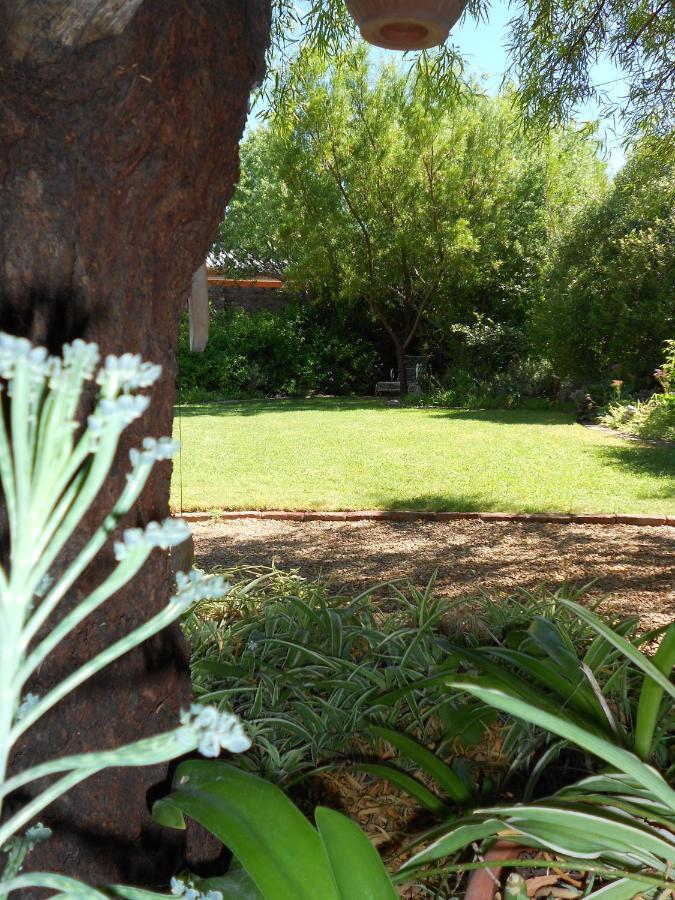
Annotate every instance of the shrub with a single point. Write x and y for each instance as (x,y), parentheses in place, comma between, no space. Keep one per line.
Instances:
(296,351)
(653,419)
(607,303)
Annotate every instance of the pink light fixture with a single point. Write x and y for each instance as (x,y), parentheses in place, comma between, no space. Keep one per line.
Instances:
(405,24)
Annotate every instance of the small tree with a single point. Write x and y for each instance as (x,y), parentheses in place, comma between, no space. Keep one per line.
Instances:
(367,191)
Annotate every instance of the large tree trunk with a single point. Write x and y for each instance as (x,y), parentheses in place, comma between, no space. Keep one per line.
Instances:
(119,128)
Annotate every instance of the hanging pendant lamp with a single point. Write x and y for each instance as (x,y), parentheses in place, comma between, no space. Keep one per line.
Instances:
(405,24)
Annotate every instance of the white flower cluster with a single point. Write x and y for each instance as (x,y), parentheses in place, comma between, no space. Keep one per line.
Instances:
(36,834)
(195,585)
(80,353)
(28,702)
(12,349)
(43,367)
(127,373)
(169,533)
(214,731)
(122,411)
(154,451)
(180,889)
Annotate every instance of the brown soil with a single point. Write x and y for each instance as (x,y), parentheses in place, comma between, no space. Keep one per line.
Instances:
(634,566)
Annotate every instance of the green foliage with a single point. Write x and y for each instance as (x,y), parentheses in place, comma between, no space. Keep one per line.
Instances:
(553,48)
(620,822)
(298,350)
(307,667)
(609,298)
(655,418)
(279,855)
(425,214)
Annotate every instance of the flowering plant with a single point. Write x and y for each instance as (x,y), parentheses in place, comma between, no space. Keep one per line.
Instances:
(51,470)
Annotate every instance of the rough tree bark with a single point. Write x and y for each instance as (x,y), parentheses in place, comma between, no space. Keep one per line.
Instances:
(119,128)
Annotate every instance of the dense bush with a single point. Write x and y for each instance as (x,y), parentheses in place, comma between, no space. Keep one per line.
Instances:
(653,419)
(296,351)
(609,297)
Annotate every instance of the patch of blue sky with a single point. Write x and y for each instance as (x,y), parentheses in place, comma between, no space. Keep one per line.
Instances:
(484,47)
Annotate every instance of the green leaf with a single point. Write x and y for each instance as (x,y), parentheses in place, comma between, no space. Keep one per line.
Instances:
(270,837)
(651,695)
(218,669)
(465,832)
(168,814)
(407,783)
(623,889)
(631,652)
(451,783)
(566,728)
(587,832)
(357,867)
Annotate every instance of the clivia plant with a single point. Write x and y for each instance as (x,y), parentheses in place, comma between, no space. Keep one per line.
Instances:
(51,470)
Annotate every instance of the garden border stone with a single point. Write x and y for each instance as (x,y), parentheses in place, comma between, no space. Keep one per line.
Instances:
(411,515)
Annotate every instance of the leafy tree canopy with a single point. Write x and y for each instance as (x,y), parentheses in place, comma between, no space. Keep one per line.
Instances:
(554,45)
(609,299)
(425,211)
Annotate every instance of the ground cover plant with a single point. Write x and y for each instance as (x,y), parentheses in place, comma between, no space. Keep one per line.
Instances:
(306,666)
(553,689)
(617,824)
(360,454)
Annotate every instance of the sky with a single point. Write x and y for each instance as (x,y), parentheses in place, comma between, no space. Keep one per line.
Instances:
(483,45)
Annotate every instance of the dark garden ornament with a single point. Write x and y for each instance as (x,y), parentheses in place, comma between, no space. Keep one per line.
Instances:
(406,24)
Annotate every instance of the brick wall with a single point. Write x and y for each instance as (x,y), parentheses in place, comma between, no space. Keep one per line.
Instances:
(252,299)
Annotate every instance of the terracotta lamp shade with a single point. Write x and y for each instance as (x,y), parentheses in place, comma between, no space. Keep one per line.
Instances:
(405,24)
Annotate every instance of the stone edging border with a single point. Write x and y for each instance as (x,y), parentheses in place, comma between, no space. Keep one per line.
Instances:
(411,515)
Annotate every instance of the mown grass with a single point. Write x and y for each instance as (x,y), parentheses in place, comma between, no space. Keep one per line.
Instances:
(361,454)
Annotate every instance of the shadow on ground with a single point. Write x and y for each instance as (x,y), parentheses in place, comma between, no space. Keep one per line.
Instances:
(635,566)
(642,459)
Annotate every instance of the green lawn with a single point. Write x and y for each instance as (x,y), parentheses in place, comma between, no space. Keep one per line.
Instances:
(359,454)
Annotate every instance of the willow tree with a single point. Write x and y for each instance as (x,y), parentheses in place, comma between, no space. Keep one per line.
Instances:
(428,213)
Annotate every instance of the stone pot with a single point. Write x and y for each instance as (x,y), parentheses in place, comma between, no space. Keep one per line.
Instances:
(405,24)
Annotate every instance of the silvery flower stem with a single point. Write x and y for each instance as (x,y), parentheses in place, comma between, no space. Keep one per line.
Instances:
(50,487)
(68,887)
(7,474)
(37,804)
(19,417)
(169,614)
(64,520)
(146,751)
(52,444)
(123,573)
(127,498)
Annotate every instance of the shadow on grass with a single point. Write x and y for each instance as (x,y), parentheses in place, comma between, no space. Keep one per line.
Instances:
(446,502)
(505,416)
(258,407)
(348,404)
(641,459)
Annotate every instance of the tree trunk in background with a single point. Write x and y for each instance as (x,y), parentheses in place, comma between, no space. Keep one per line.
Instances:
(402,373)
(119,130)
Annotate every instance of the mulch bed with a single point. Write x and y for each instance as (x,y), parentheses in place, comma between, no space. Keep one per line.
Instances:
(633,566)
